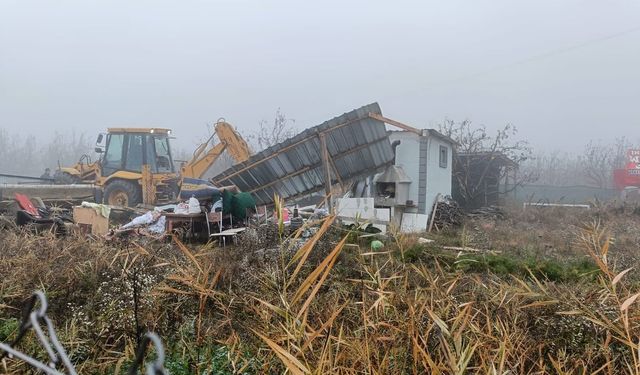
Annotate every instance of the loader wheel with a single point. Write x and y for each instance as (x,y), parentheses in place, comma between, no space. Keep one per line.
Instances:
(122,193)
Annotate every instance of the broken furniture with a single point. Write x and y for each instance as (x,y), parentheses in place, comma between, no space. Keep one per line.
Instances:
(218,218)
(91,220)
(232,233)
(185,222)
(42,219)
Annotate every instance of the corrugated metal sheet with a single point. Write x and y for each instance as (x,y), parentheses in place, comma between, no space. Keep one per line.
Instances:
(358,146)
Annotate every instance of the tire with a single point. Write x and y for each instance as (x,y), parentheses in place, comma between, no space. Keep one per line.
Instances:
(122,193)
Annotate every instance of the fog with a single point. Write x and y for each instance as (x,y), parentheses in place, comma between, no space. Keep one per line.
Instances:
(563,72)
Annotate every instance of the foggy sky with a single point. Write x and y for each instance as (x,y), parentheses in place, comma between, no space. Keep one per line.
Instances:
(563,72)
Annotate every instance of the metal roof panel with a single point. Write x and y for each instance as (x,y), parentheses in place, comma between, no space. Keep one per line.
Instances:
(357,143)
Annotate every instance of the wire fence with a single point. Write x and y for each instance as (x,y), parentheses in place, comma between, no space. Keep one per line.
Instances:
(36,318)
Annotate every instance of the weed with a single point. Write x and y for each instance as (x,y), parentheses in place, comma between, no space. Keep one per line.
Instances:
(318,306)
(8,328)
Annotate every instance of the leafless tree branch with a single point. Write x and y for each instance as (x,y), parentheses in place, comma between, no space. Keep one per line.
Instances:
(477,140)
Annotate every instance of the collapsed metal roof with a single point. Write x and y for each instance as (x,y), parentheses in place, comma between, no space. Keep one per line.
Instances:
(358,146)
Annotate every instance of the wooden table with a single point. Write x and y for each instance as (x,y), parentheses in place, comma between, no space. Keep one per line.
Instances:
(174,220)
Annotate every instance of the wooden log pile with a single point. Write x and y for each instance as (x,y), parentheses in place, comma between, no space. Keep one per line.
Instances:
(447,214)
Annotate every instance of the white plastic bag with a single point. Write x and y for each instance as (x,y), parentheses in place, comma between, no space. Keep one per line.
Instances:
(194,206)
(182,209)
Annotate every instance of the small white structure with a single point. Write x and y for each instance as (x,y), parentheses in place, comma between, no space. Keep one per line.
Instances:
(427,160)
(422,171)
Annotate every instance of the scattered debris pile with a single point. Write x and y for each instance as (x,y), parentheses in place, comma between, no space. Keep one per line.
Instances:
(25,211)
(151,224)
(348,161)
(489,212)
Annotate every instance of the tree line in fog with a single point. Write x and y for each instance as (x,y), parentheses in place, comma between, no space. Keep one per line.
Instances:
(591,166)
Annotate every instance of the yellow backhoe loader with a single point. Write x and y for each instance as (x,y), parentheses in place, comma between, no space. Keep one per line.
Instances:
(136,164)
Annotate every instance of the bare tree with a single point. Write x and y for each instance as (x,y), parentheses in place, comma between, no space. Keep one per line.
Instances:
(479,153)
(269,134)
(620,148)
(600,159)
(28,155)
(554,169)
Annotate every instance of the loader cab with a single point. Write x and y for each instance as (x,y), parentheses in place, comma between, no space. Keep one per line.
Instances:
(128,149)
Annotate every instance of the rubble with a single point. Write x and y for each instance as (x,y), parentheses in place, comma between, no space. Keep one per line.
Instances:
(489,212)
(367,174)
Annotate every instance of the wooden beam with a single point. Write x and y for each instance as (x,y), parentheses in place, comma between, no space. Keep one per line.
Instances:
(395,123)
(434,210)
(335,171)
(326,168)
(148,186)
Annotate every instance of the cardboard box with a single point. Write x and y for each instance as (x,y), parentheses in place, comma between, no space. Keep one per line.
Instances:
(90,221)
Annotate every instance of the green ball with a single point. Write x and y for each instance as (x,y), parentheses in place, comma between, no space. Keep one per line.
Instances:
(376,245)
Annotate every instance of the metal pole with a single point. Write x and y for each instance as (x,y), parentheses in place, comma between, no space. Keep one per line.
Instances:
(25,177)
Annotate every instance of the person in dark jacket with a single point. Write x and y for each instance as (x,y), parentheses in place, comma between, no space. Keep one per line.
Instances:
(47,174)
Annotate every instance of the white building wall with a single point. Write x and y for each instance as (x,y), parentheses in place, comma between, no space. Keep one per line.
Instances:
(438,179)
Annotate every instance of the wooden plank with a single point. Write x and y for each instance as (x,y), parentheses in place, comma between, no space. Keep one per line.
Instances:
(395,123)
(469,249)
(433,212)
(326,168)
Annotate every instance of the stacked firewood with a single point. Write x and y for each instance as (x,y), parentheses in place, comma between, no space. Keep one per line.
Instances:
(447,214)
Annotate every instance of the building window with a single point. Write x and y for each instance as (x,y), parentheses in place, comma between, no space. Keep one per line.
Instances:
(443,156)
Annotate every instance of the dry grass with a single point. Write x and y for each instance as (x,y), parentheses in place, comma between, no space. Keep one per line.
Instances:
(552,232)
(327,307)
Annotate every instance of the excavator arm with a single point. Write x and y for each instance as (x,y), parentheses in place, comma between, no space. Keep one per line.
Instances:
(230,140)
(197,167)
(236,145)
